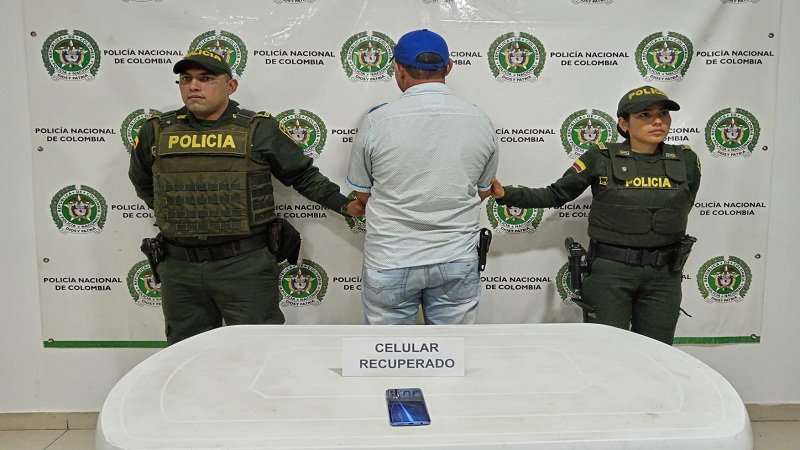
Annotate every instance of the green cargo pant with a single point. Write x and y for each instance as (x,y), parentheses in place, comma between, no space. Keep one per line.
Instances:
(643,299)
(198,296)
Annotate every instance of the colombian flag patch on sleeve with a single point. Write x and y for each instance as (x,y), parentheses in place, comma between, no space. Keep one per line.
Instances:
(579,166)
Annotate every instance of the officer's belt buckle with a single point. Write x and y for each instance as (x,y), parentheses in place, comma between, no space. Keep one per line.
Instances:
(648,258)
(655,258)
(200,254)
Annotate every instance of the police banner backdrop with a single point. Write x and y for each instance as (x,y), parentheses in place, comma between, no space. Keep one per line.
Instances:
(549,73)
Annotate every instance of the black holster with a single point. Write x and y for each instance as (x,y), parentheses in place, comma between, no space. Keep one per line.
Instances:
(577,262)
(153,249)
(284,241)
(682,253)
(484,241)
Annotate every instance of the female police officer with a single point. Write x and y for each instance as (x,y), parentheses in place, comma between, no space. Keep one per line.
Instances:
(642,192)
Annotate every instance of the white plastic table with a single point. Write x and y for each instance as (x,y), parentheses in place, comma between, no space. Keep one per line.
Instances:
(542,386)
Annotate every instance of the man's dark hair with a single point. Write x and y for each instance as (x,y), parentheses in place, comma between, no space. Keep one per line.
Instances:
(422,74)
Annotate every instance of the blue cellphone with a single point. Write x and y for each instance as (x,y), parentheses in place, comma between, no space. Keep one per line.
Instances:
(407,407)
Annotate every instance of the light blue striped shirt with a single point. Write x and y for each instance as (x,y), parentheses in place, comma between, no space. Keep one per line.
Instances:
(422,159)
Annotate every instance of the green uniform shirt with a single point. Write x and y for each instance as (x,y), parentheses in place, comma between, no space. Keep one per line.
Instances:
(270,146)
(592,169)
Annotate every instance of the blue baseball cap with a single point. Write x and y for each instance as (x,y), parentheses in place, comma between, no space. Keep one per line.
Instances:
(415,43)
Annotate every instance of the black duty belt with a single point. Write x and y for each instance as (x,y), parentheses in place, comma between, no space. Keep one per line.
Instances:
(216,252)
(636,256)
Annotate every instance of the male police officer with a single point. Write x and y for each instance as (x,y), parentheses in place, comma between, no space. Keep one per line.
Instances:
(206,170)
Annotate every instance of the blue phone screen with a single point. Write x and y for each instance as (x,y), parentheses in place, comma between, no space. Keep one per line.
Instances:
(407,407)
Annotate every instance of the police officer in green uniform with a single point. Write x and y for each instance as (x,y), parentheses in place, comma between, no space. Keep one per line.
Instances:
(206,170)
(642,192)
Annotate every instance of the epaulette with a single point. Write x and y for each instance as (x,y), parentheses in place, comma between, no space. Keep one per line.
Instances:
(170,117)
(376,107)
(263,114)
(602,146)
(243,117)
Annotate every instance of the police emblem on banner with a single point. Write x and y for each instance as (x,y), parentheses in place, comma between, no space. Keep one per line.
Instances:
(306,129)
(664,56)
(511,219)
(225,44)
(129,131)
(732,132)
(367,56)
(724,279)
(516,57)
(79,210)
(585,128)
(564,286)
(71,56)
(303,284)
(142,285)
(358,225)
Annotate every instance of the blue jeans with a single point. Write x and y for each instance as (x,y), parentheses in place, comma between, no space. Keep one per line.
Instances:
(448,293)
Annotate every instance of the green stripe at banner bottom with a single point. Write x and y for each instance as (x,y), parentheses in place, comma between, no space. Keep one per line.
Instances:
(752,339)
(104,344)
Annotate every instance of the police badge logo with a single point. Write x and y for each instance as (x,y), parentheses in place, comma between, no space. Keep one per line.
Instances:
(303,284)
(511,219)
(71,56)
(564,286)
(358,225)
(225,44)
(724,279)
(79,210)
(306,129)
(367,56)
(129,131)
(516,58)
(142,285)
(585,128)
(732,132)
(664,56)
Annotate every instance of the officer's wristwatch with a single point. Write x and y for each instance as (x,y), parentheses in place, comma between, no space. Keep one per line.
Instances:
(343,209)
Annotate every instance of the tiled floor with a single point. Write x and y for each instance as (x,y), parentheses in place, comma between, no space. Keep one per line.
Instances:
(775,434)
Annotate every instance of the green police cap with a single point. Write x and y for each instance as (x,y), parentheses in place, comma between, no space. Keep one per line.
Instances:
(204,58)
(641,98)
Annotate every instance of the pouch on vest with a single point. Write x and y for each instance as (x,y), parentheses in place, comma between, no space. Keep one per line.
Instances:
(284,241)
(624,167)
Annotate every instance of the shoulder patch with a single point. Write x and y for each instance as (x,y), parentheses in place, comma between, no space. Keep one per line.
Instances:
(376,107)
(579,166)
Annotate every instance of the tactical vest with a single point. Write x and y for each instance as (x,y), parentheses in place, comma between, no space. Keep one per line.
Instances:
(206,183)
(645,203)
